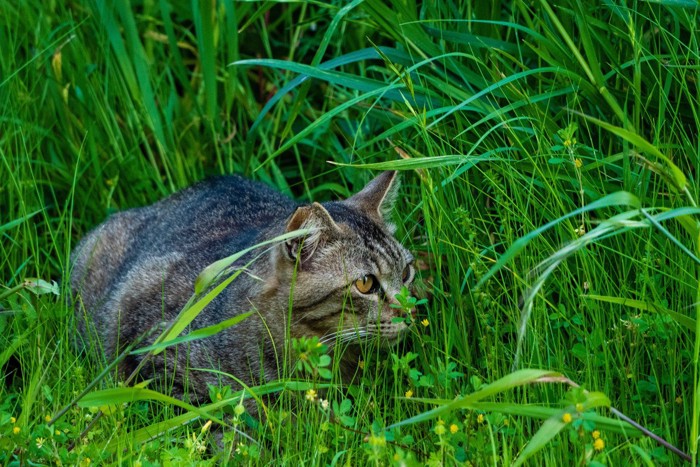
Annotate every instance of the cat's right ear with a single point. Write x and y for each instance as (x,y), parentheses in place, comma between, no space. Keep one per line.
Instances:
(377,199)
(319,221)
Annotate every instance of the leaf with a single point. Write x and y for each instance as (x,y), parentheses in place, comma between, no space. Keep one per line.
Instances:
(190,312)
(549,429)
(194,335)
(47,392)
(352,57)
(554,424)
(153,431)
(510,381)
(41,287)
(654,220)
(324,360)
(18,221)
(620,198)
(115,396)
(595,399)
(675,174)
(212,272)
(333,77)
(346,420)
(420,162)
(490,89)
(685,321)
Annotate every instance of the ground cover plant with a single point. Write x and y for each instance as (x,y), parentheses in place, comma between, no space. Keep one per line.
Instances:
(548,154)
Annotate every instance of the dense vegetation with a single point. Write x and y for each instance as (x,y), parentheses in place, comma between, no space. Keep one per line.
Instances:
(549,155)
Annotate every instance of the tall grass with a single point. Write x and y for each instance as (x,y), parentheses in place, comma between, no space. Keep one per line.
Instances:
(549,153)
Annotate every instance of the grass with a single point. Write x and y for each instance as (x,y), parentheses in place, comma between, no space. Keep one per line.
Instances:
(549,155)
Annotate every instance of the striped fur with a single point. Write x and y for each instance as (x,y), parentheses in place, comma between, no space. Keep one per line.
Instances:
(136,270)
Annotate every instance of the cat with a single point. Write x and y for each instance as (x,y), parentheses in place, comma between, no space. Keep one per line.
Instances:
(137,270)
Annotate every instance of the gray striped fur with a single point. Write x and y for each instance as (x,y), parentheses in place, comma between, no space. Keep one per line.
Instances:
(137,270)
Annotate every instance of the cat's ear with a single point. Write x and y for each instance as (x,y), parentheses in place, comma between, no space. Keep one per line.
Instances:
(322,225)
(377,199)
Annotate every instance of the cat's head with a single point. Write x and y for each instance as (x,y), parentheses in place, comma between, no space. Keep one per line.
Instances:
(349,270)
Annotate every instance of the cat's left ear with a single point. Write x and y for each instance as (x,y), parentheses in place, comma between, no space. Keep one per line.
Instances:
(377,199)
(316,218)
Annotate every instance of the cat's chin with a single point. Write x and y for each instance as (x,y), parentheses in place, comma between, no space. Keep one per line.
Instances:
(388,342)
(393,338)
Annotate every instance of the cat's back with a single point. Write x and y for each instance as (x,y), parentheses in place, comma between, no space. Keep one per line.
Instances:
(224,210)
(191,228)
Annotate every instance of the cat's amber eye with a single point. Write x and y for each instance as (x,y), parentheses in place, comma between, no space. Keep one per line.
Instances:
(406,274)
(367,284)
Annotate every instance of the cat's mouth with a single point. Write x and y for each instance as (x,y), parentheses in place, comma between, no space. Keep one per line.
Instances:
(390,341)
(385,334)
(392,333)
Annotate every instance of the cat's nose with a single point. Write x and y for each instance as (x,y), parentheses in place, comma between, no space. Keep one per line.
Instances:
(392,303)
(397,310)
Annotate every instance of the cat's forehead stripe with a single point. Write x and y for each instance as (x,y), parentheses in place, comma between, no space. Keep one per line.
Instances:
(385,249)
(374,238)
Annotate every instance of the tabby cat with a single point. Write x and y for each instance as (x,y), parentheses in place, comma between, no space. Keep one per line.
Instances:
(137,270)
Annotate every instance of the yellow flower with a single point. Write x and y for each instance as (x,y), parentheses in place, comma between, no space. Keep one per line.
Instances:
(578,163)
(596,434)
(566,418)
(579,407)
(13,420)
(598,444)
(16,430)
(206,427)
(425,323)
(47,418)
(409,394)
(454,428)
(377,441)
(480,418)
(570,142)
(311,395)
(506,422)
(57,433)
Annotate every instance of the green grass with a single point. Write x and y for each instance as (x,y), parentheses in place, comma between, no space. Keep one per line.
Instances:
(549,155)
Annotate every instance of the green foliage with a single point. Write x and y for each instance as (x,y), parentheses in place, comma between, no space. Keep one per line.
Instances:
(312,359)
(549,154)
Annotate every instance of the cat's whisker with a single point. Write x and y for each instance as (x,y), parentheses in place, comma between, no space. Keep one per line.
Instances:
(355,335)
(345,335)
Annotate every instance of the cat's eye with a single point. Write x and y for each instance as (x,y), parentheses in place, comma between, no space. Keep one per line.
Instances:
(367,284)
(406,274)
